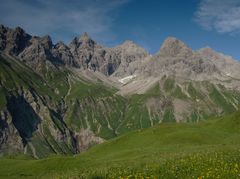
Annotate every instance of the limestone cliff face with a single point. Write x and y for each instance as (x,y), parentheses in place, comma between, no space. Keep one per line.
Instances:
(227,64)
(38,54)
(175,58)
(173,47)
(88,54)
(13,41)
(62,55)
(27,115)
(129,56)
(110,61)
(10,140)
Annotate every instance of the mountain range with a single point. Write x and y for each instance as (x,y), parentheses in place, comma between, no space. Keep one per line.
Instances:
(58,98)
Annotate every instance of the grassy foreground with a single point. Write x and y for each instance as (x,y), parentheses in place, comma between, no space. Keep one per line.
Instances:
(205,150)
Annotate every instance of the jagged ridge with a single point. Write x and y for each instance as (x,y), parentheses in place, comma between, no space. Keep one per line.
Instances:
(70,99)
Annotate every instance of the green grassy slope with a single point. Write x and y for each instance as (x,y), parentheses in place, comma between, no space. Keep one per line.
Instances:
(207,149)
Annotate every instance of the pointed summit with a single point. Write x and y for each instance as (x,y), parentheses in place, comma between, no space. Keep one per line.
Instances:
(207,51)
(132,47)
(128,42)
(19,30)
(13,41)
(84,37)
(173,47)
(2,26)
(46,41)
(83,41)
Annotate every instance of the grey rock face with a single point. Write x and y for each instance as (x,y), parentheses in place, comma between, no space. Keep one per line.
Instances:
(128,56)
(87,53)
(38,53)
(25,118)
(13,41)
(9,136)
(173,47)
(176,59)
(90,55)
(62,55)
(227,64)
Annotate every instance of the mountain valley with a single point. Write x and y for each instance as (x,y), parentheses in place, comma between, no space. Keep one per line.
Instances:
(63,99)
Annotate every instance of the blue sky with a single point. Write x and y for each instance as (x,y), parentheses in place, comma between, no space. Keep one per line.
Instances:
(198,23)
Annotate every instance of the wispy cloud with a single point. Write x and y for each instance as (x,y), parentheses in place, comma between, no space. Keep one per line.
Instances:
(222,16)
(62,19)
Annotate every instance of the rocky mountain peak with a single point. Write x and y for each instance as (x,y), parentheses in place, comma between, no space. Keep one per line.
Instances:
(128,43)
(13,41)
(38,53)
(85,40)
(173,47)
(2,26)
(84,37)
(209,53)
(227,64)
(130,46)
(62,55)
(129,56)
(60,45)
(46,41)
(19,30)
(82,42)
(207,50)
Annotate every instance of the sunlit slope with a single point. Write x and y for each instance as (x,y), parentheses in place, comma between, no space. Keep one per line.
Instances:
(168,150)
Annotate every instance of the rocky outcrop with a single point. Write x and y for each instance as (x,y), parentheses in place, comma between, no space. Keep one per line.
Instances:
(38,54)
(227,64)
(88,54)
(10,140)
(24,117)
(85,139)
(173,47)
(28,120)
(110,61)
(62,55)
(13,41)
(128,56)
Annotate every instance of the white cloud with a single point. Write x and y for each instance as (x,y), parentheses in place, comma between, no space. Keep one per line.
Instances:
(222,16)
(62,19)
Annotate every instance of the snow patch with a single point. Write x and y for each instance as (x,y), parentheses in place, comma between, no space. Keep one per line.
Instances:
(126,79)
